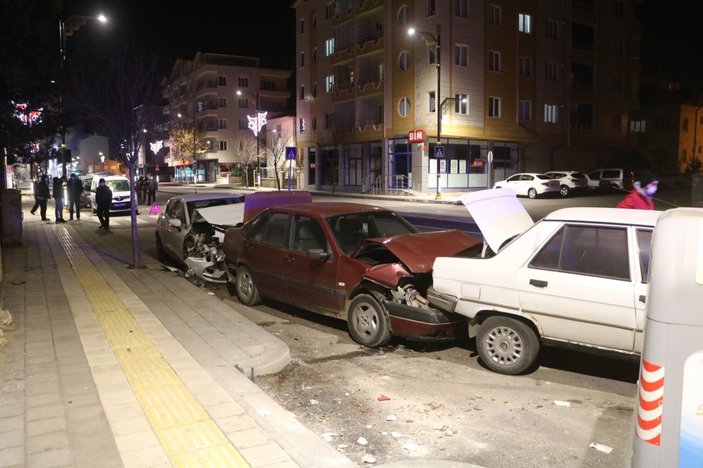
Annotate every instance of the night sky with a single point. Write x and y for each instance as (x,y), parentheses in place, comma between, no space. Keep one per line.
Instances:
(179,28)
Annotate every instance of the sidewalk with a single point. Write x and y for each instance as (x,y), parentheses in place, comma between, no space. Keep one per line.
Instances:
(110,366)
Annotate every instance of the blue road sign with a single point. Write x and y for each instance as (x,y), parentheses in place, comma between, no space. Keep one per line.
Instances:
(439,151)
(291,152)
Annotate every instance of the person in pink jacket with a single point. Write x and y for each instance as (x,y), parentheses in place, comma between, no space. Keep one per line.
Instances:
(640,197)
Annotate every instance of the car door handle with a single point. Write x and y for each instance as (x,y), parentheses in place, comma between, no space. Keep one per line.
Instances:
(538,283)
(643,299)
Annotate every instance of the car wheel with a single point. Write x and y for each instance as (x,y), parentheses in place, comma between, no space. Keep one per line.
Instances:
(160,252)
(564,191)
(246,289)
(368,322)
(506,345)
(532,193)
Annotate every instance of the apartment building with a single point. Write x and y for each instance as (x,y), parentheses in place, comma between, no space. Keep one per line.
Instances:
(218,95)
(483,89)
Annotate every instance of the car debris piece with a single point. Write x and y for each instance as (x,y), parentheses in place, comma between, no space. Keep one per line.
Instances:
(601,447)
(368,458)
(562,403)
(383,398)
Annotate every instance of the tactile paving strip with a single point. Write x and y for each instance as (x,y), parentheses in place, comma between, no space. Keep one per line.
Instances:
(186,432)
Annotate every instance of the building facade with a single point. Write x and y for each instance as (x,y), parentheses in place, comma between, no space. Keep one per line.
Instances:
(217,95)
(481,90)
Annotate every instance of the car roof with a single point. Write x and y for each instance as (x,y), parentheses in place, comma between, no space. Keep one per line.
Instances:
(606,215)
(326,209)
(191,197)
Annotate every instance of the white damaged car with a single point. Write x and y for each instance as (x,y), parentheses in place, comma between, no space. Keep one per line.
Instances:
(577,278)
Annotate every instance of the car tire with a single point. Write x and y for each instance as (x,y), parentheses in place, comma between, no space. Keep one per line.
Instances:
(160,252)
(368,322)
(247,291)
(506,345)
(564,191)
(532,193)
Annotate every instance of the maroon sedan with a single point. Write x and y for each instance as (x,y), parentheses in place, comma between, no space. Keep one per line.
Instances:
(360,263)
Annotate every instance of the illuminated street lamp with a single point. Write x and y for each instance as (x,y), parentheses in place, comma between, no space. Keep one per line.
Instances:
(256,123)
(67,29)
(433,43)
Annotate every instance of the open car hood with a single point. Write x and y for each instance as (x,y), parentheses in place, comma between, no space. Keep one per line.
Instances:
(418,251)
(498,214)
(221,215)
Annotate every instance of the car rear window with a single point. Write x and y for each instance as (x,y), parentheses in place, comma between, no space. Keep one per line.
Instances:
(350,230)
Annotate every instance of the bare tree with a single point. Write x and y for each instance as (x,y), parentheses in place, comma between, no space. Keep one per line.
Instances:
(276,143)
(109,89)
(245,153)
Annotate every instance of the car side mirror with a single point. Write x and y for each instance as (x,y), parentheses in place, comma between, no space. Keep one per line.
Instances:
(318,254)
(175,222)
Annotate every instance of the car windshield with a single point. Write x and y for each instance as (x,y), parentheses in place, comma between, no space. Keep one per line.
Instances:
(350,230)
(118,185)
(194,205)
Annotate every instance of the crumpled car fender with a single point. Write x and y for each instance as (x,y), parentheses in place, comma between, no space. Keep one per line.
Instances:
(387,275)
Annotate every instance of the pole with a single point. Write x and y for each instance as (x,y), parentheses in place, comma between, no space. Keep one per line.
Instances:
(62,57)
(438,193)
(195,162)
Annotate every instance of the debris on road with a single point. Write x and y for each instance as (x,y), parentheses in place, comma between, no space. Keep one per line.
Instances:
(601,447)
(362,441)
(562,403)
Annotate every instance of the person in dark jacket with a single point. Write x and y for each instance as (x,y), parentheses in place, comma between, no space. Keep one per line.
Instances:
(35,187)
(74,190)
(640,197)
(42,193)
(58,200)
(153,185)
(103,199)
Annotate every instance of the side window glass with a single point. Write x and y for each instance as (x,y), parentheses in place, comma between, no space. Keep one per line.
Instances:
(276,229)
(644,246)
(593,251)
(178,212)
(308,235)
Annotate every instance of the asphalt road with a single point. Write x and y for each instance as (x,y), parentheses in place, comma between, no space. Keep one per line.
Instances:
(412,401)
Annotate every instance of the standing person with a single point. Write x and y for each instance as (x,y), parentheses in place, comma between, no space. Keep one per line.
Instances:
(42,193)
(138,187)
(103,199)
(640,197)
(74,190)
(35,188)
(153,188)
(144,189)
(58,200)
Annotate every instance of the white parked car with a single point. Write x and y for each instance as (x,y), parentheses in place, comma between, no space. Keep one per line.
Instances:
(569,181)
(577,278)
(607,179)
(529,184)
(191,229)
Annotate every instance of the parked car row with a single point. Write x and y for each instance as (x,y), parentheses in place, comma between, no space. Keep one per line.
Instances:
(577,278)
(533,184)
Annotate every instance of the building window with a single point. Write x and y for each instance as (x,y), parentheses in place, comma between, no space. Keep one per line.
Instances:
(314,55)
(301,94)
(617,84)
(221,102)
(432,101)
(329,46)
(550,113)
(494,15)
(619,8)
(314,124)
(301,125)
(222,80)
(302,59)
(431,55)
(404,107)
(301,27)
(524,110)
(684,124)
(243,82)
(461,104)
(404,60)
(403,13)
(431,10)
(329,83)
(314,21)
(617,122)
(462,8)
(551,29)
(582,116)
(583,36)
(638,126)
(525,67)
(330,11)
(493,106)
(223,145)
(461,55)
(329,119)
(525,23)
(551,71)
(243,103)
(243,124)
(493,60)
(314,89)
(221,124)
(582,76)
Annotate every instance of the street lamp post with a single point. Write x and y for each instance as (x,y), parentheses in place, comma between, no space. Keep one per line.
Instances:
(67,29)
(256,123)
(433,43)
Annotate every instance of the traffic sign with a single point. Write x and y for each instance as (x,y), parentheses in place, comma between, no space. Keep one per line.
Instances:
(291,153)
(439,151)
